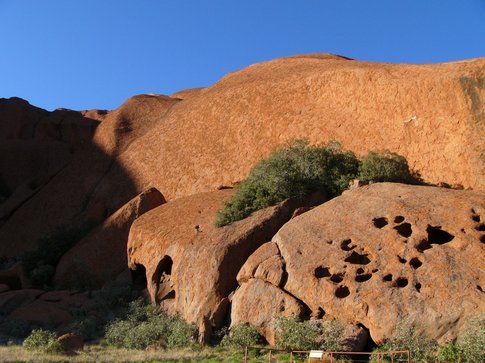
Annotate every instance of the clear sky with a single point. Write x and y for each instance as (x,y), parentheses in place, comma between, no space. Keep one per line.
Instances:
(83,54)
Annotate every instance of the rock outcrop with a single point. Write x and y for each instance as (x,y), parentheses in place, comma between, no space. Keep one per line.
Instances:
(379,256)
(431,114)
(191,265)
(101,256)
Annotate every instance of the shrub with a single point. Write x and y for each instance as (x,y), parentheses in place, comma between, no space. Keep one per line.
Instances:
(295,171)
(42,340)
(472,342)
(147,325)
(406,338)
(450,353)
(385,166)
(14,328)
(40,263)
(242,335)
(293,334)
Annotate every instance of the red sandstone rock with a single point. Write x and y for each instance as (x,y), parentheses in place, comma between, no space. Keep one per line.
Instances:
(101,256)
(382,256)
(196,267)
(71,342)
(11,300)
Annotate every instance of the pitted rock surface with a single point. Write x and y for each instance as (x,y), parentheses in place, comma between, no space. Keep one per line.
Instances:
(381,256)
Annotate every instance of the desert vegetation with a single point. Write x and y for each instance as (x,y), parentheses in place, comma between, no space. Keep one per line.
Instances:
(299,169)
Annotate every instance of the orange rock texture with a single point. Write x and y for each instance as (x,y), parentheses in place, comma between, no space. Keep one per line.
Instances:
(380,256)
(199,139)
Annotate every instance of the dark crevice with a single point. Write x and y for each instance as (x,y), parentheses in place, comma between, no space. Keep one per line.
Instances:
(480,288)
(387,277)
(401,282)
(139,277)
(360,270)
(321,272)
(480,227)
(401,260)
(342,292)
(358,259)
(476,218)
(338,277)
(399,219)
(415,263)
(404,229)
(418,287)
(345,245)
(363,278)
(380,222)
(438,236)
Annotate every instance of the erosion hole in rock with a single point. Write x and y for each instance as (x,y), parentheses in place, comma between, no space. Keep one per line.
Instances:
(139,277)
(480,288)
(375,270)
(476,218)
(423,245)
(380,222)
(388,277)
(399,219)
(319,314)
(360,270)
(401,282)
(342,292)
(418,287)
(337,278)
(357,259)
(370,345)
(415,263)
(321,272)
(363,278)
(161,279)
(480,227)
(404,229)
(402,260)
(345,245)
(482,238)
(438,236)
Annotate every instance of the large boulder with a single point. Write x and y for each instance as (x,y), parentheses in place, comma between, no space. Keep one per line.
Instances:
(381,256)
(101,255)
(191,265)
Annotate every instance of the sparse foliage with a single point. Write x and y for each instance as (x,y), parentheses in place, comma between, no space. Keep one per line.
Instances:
(294,171)
(42,340)
(148,326)
(385,166)
(241,336)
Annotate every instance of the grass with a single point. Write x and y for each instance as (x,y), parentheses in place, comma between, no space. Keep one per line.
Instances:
(99,353)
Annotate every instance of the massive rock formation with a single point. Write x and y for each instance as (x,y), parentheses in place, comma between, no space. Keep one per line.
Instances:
(200,139)
(190,264)
(380,256)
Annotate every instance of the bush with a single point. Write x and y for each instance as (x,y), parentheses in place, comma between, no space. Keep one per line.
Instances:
(421,348)
(293,334)
(450,353)
(295,171)
(14,328)
(40,263)
(147,325)
(472,342)
(42,340)
(385,166)
(243,335)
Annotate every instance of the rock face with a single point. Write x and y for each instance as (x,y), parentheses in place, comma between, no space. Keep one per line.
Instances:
(225,129)
(87,263)
(190,264)
(379,256)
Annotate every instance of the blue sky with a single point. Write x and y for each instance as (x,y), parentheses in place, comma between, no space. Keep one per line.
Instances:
(83,54)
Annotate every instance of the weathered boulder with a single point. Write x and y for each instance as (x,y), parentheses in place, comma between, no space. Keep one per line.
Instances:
(191,265)
(382,256)
(11,300)
(71,342)
(101,255)
(259,303)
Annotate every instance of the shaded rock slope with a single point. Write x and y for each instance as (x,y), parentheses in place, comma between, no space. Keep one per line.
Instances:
(147,177)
